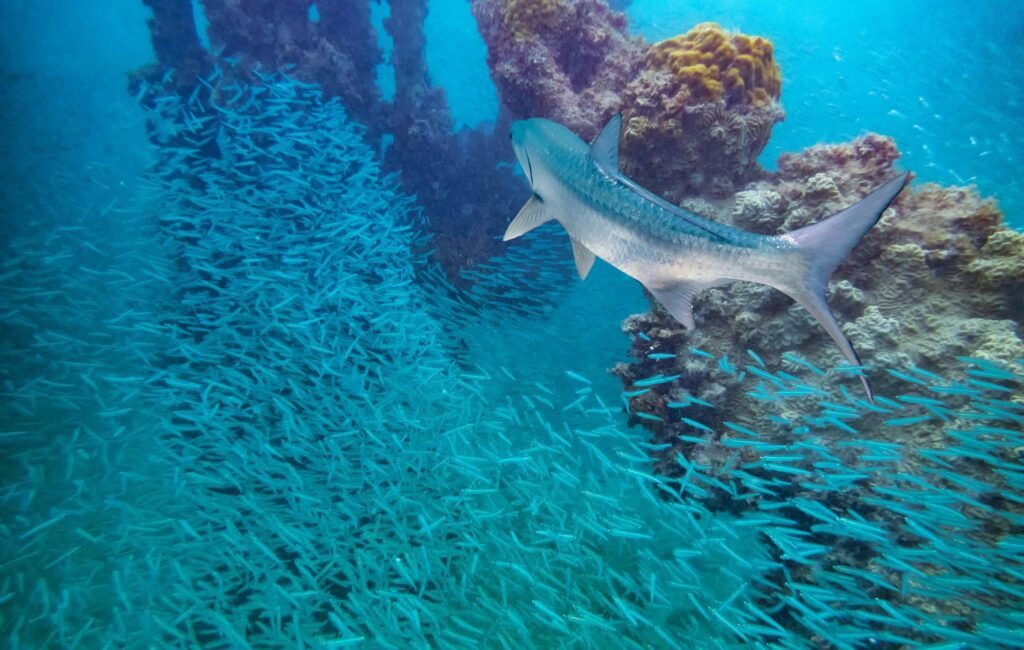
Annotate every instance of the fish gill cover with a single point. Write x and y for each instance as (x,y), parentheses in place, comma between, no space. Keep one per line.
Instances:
(247,408)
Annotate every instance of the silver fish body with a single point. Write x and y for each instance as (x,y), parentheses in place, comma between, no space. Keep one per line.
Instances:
(674,253)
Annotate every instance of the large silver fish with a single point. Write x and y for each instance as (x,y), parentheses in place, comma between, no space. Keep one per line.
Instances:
(675,253)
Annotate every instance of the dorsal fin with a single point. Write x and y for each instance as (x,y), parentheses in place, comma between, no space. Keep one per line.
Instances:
(605,147)
(604,151)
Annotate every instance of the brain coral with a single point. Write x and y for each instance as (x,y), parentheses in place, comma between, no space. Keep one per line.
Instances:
(700,112)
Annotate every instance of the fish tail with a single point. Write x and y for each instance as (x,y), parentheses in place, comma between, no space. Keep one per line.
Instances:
(826,244)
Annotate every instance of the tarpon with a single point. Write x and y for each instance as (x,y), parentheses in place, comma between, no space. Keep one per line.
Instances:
(675,253)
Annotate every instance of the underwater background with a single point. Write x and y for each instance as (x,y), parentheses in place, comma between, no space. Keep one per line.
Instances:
(271,379)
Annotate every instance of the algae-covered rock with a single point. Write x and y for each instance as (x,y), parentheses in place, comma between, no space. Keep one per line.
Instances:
(700,112)
(567,60)
(698,108)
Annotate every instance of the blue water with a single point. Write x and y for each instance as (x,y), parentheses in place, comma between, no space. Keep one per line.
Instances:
(928,74)
(244,409)
(937,77)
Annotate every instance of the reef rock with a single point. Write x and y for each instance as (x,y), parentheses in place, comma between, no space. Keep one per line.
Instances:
(699,108)
(700,112)
(567,60)
(940,276)
(932,301)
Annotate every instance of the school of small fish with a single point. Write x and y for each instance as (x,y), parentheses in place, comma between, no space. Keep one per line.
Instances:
(235,420)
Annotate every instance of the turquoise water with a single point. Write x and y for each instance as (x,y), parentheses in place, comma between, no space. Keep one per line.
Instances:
(243,406)
(934,76)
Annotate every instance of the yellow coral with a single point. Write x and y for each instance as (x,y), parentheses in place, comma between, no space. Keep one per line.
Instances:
(525,17)
(712,64)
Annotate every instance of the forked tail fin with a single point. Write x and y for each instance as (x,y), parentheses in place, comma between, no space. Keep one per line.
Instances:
(827,243)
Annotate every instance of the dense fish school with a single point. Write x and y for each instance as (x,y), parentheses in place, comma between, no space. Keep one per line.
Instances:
(258,417)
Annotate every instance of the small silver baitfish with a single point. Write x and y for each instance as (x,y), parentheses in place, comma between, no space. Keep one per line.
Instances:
(675,253)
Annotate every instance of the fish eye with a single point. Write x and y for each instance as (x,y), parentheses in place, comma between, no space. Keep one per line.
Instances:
(510,134)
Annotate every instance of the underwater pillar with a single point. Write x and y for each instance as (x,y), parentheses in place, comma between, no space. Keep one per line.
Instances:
(174,38)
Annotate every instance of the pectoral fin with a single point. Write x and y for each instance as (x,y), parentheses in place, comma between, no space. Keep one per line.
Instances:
(530,216)
(584,258)
(677,299)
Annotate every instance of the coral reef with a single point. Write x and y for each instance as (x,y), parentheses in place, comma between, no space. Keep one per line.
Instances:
(567,60)
(939,260)
(256,440)
(229,418)
(699,108)
(707,64)
(701,112)
(525,18)
(570,60)
(464,218)
(339,51)
(908,511)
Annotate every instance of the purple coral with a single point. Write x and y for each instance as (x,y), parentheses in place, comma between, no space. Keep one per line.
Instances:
(566,60)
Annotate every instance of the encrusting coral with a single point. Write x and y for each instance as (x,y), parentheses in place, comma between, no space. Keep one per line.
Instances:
(709,64)
(567,60)
(701,112)
(524,17)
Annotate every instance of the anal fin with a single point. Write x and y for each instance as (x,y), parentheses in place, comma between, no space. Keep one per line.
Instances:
(530,216)
(677,299)
(584,258)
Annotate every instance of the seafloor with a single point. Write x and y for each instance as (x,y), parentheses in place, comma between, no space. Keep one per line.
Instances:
(288,388)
